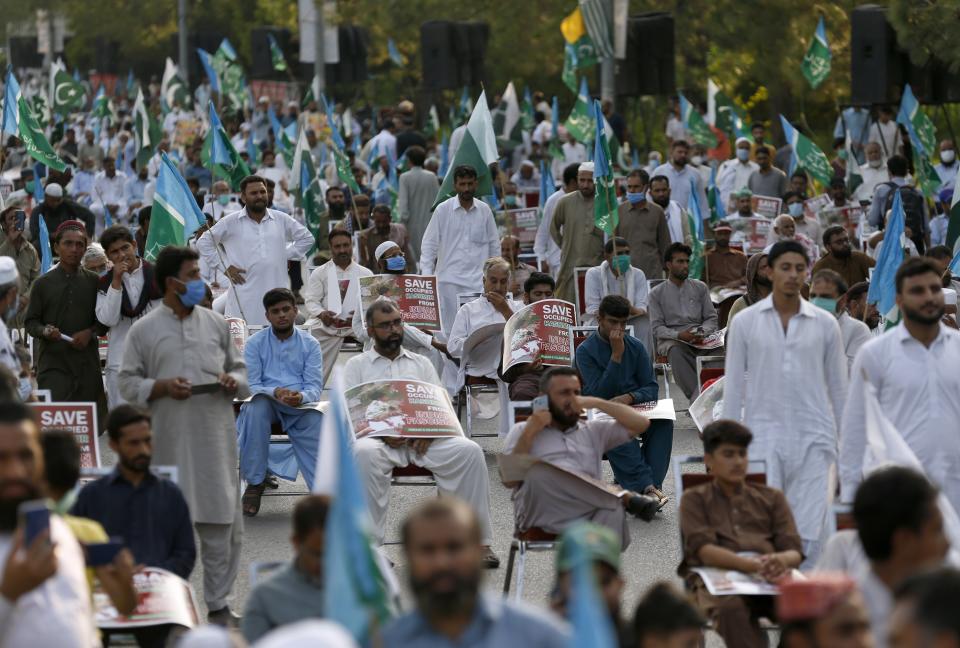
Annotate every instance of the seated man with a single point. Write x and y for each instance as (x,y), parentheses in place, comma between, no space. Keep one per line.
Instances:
(285,371)
(524,379)
(826,291)
(785,229)
(665,618)
(721,521)
(681,312)
(724,267)
(295,591)
(616,367)
(457,463)
(552,500)
(333,296)
(615,276)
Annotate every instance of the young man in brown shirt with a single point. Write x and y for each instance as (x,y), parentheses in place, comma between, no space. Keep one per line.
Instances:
(732,524)
(853,265)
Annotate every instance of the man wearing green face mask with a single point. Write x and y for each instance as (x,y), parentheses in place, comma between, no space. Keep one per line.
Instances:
(827,291)
(220,201)
(615,276)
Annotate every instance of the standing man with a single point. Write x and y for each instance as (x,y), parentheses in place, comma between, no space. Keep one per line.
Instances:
(252,247)
(332,297)
(874,173)
(827,291)
(123,296)
(767,180)
(574,231)
(180,361)
(9,302)
(418,189)
(63,302)
(913,369)
(546,249)
(683,179)
(947,169)
(681,312)
(285,371)
(108,193)
(786,380)
(675,214)
(734,175)
(23,254)
(381,231)
(644,226)
(461,236)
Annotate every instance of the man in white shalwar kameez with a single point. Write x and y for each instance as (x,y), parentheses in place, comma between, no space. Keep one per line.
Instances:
(332,297)
(786,379)
(460,237)
(169,353)
(252,247)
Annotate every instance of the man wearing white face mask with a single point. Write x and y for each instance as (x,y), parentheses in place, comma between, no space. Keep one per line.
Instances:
(734,174)
(221,201)
(9,303)
(947,169)
(700,163)
(874,172)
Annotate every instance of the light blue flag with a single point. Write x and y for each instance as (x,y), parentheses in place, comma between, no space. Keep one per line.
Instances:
(955,264)
(276,127)
(206,62)
(228,49)
(252,151)
(11,100)
(883,287)
(589,618)
(555,119)
(635,160)
(46,254)
(547,184)
(355,145)
(334,131)
(909,108)
(693,204)
(394,53)
(38,172)
(373,155)
(173,190)
(444,155)
(218,150)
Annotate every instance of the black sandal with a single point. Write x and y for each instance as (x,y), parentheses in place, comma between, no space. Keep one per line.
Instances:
(250,501)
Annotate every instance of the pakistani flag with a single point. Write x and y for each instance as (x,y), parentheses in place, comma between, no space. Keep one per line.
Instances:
(926,175)
(506,117)
(145,132)
(219,154)
(598,20)
(808,155)
(528,119)
(478,149)
(206,60)
(18,121)
(694,124)
(816,62)
(230,76)
(922,132)
(305,186)
(556,148)
(433,122)
(883,287)
(723,113)
(953,222)
(276,55)
(354,587)
(66,93)
(580,123)
(101,104)
(575,34)
(173,91)
(569,74)
(175,215)
(605,214)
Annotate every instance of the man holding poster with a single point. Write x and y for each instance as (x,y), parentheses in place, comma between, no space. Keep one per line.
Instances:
(456,462)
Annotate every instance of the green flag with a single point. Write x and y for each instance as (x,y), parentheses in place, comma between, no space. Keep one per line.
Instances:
(605,215)
(926,175)
(232,83)
(724,113)
(696,249)
(276,55)
(478,149)
(19,121)
(306,189)
(695,125)
(507,125)
(574,31)
(569,74)
(344,172)
(816,62)
(923,134)
(66,94)
(528,120)
(580,123)
(146,131)
(219,154)
(953,222)
(808,155)
(173,91)
(433,123)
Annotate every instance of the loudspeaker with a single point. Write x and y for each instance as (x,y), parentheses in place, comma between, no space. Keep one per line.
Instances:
(261,63)
(439,56)
(649,67)
(478,33)
(352,67)
(878,68)
(23,52)
(106,57)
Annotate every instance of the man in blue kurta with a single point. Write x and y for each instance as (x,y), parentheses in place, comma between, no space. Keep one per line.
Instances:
(285,370)
(615,366)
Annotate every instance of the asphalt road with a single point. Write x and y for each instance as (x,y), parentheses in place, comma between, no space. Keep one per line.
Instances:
(652,556)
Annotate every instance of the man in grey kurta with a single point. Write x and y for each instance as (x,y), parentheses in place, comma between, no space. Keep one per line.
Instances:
(644,226)
(573,229)
(418,190)
(681,311)
(172,351)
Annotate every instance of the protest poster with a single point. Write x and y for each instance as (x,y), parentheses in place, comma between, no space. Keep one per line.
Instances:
(514,467)
(751,233)
(812,206)
(654,410)
(540,330)
(162,598)
(848,217)
(79,418)
(415,295)
(238,333)
(767,206)
(185,132)
(708,406)
(401,408)
(709,341)
(523,224)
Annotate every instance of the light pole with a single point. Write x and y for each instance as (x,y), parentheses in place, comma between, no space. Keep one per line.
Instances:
(182,40)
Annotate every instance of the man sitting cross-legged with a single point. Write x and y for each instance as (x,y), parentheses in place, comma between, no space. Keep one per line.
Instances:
(553,500)
(723,520)
(285,370)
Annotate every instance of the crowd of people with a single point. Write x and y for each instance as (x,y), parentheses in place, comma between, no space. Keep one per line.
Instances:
(813,376)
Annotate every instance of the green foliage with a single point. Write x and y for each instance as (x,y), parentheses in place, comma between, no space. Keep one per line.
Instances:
(927,28)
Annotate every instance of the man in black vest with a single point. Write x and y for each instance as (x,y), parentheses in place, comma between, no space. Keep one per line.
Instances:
(124,295)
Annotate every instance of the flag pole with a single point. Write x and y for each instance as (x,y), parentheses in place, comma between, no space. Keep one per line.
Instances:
(220,252)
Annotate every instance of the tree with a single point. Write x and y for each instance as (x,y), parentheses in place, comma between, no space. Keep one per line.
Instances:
(926,29)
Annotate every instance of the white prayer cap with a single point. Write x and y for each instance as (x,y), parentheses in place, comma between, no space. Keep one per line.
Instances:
(585,166)
(741,139)
(529,164)
(308,634)
(54,190)
(244,126)
(8,270)
(263,99)
(383,248)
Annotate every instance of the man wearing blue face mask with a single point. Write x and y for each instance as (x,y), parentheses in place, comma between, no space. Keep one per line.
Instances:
(827,291)
(180,362)
(644,226)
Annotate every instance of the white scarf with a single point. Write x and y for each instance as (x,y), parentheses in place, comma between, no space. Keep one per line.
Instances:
(342,307)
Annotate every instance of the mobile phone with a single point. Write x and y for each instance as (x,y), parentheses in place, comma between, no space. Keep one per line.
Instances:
(20,220)
(103,553)
(541,403)
(35,518)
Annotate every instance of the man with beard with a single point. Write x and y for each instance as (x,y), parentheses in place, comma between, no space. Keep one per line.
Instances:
(856,302)
(47,574)
(285,372)
(914,371)
(573,229)
(677,223)
(457,463)
(295,591)
(461,235)
(492,307)
(724,267)
(444,551)
(685,180)
(780,343)
(124,295)
(552,499)
(382,231)
(252,247)
(332,298)
(853,265)
(55,210)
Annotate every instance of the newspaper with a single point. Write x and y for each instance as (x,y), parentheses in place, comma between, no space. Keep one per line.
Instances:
(401,408)
(523,224)
(654,410)
(162,598)
(722,582)
(848,217)
(768,206)
(416,296)
(540,330)
(812,206)
(713,340)
(514,467)
(708,406)
(751,232)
